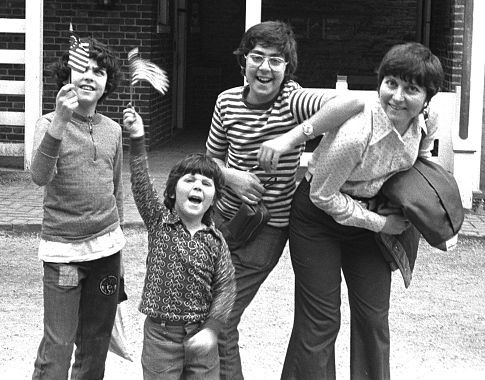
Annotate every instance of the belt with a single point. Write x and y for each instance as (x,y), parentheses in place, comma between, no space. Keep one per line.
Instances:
(364,202)
(165,322)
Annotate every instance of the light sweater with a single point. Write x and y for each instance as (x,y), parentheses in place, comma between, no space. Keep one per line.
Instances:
(81,173)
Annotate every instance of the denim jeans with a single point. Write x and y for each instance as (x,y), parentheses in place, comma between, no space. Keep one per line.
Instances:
(320,250)
(80,301)
(252,263)
(165,355)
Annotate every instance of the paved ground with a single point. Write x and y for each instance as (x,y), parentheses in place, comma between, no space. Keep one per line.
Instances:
(21,201)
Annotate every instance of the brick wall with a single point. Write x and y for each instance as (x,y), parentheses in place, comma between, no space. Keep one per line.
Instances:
(446,38)
(128,24)
(346,37)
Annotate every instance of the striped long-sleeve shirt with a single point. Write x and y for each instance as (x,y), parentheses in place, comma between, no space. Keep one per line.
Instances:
(239,128)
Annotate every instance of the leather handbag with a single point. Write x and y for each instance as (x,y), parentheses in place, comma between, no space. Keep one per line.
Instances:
(245,224)
(248,221)
(430,199)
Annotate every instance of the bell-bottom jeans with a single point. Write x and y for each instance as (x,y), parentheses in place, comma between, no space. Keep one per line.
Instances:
(320,250)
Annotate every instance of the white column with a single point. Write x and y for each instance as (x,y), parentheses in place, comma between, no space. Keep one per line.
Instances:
(253,13)
(34,28)
(476,87)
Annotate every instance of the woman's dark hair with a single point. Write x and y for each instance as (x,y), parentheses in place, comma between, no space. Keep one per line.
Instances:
(103,57)
(414,63)
(195,163)
(275,34)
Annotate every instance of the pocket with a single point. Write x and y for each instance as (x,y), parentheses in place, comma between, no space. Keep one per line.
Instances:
(264,251)
(68,276)
(161,352)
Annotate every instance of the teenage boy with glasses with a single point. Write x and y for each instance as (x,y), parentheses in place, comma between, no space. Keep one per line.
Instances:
(244,117)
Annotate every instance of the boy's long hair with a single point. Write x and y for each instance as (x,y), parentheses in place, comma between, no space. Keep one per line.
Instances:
(195,163)
(275,34)
(103,56)
(414,63)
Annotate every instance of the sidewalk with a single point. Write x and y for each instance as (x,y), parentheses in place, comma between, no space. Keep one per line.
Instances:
(21,202)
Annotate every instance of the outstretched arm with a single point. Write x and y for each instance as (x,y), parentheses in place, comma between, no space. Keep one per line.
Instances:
(333,114)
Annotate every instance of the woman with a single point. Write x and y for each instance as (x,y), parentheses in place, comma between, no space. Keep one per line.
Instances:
(332,229)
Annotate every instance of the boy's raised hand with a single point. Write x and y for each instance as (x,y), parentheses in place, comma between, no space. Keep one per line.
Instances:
(132,122)
(66,102)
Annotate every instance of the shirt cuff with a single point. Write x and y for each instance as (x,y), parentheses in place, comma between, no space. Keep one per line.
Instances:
(50,146)
(138,146)
(377,223)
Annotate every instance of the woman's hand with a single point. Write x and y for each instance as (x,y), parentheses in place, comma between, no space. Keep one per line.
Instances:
(132,122)
(246,185)
(395,224)
(202,342)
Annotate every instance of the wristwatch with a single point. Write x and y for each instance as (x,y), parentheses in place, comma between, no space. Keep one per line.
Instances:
(307,129)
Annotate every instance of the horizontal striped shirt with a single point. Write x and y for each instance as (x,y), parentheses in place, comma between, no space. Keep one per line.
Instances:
(238,129)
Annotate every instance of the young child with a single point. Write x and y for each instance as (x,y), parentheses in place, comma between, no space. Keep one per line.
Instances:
(189,285)
(78,158)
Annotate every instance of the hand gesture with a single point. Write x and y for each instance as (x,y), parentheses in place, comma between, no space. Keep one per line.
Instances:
(395,224)
(247,186)
(202,342)
(132,122)
(270,151)
(66,102)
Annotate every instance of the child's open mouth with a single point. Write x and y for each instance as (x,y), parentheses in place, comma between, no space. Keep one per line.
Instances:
(195,199)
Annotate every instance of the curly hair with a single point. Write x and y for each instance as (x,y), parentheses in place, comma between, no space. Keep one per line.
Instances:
(103,56)
(414,63)
(275,34)
(195,163)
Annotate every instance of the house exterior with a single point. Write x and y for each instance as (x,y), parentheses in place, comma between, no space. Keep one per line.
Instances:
(193,41)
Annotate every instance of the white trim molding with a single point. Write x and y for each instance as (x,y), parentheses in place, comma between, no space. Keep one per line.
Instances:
(34,15)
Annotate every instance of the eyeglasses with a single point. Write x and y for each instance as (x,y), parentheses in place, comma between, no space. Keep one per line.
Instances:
(256,60)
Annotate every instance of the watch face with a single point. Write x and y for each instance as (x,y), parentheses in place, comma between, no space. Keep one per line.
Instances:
(307,129)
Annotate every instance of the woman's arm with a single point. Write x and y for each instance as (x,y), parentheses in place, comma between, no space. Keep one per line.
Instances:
(338,155)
